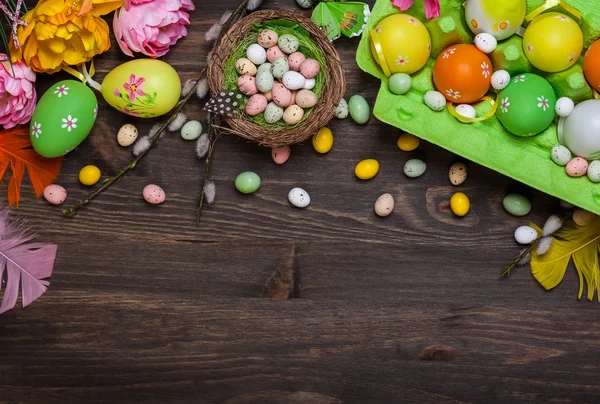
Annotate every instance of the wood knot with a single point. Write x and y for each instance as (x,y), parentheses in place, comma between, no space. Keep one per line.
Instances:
(443,353)
(282,283)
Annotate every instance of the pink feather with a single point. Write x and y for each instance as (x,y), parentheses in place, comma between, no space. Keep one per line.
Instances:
(27,264)
(432,9)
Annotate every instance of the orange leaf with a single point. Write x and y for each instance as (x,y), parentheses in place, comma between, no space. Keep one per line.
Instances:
(16,152)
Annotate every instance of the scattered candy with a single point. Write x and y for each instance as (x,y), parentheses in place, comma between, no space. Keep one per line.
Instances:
(582,217)
(577,167)
(341,111)
(359,109)
(366,169)
(288,43)
(500,79)
(256,54)
(281,154)
(435,100)
(560,155)
(414,168)
(384,205)
(322,141)
(485,42)
(154,194)
(89,175)
(245,66)
(460,204)
(247,182)
(400,83)
(127,135)
(516,204)
(525,235)
(299,197)
(593,171)
(466,110)
(457,173)
(564,106)
(191,130)
(407,142)
(293,114)
(55,194)
(267,38)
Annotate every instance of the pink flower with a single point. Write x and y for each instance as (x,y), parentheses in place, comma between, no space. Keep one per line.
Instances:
(17,94)
(151,26)
(134,87)
(130,112)
(432,7)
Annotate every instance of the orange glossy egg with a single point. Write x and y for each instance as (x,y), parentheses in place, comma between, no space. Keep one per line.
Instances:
(463,74)
(591,65)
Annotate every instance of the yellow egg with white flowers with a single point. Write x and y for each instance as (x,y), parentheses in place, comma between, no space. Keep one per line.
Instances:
(501,19)
(143,88)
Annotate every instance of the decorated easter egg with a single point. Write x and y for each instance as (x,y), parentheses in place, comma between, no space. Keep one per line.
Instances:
(143,87)
(553,42)
(400,43)
(591,65)
(500,19)
(579,131)
(462,73)
(527,106)
(63,118)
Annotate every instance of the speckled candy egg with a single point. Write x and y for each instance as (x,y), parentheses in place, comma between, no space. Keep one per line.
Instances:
(256,104)
(466,110)
(191,130)
(288,43)
(293,80)
(591,65)
(414,168)
(553,42)
(63,118)
(55,194)
(435,100)
(274,53)
(299,198)
(485,42)
(256,54)
(293,114)
(500,19)
(577,167)
(306,99)
(296,59)
(273,113)
(280,154)
(593,171)
(281,95)
(500,79)
(280,67)
(560,155)
(462,73)
(305,3)
(154,194)
(579,131)
(267,38)
(527,106)
(127,135)
(310,68)
(564,107)
(245,66)
(247,84)
(341,111)
(525,235)
(457,174)
(264,80)
(384,205)
(310,84)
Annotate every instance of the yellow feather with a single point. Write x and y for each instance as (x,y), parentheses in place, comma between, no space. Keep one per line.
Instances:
(580,243)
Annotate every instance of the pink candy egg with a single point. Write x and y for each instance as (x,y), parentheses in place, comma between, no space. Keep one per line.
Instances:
(281,95)
(154,194)
(273,53)
(280,154)
(295,60)
(256,105)
(247,84)
(577,167)
(310,68)
(55,194)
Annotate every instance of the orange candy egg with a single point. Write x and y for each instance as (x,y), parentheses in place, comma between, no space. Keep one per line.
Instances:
(463,74)
(591,65)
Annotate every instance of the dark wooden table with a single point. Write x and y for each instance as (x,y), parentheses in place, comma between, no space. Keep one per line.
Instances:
(147,306)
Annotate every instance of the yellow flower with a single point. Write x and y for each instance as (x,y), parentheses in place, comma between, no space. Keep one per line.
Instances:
(63,32)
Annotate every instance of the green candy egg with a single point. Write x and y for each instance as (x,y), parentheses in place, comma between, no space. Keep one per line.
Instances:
(63,118)
(359,109)
(516,204)
(247,182)
(526,106)
(400,83)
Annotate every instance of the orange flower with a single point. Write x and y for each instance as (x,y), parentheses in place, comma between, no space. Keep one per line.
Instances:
(63,32)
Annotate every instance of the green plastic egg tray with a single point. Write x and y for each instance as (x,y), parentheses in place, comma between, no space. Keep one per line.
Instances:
(487,142)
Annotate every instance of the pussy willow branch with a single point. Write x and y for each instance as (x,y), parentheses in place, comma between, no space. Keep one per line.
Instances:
(213,135)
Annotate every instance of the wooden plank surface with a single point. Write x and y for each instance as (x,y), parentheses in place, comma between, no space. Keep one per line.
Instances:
(147,306)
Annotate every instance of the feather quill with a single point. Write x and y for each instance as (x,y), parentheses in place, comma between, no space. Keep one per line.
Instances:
(26,264)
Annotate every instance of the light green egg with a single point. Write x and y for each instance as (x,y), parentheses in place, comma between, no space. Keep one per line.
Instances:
(63,118)
(143,87)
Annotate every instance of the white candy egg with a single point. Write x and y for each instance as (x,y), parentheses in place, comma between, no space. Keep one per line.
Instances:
(466,110)
(525,235)
(293,80)
(561,155)
(256,54)
(305,3)
(435,100)
(564,106)
(309,84)
(500,79)
(485,42)
(299,198)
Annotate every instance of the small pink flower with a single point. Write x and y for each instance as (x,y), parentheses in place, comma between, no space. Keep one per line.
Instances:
(117,92)
(449,52)
(130,112)
(134,87)
(17,94)
(432,7)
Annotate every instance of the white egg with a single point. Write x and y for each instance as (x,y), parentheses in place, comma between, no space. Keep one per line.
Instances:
(564,106)
(485,42)
(293,80)
(299,198)
(435,100)
(256,54)
(500,79)
(305,3)
(310,84)
(466,110)
(561,155)
(525,235)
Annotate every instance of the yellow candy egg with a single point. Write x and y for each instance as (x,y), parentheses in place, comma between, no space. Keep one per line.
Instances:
(459,204)
(89,175)
(408,142)
(553,42)
(143,87)
(498,18)
(322,141)
(366,169)
(400,43)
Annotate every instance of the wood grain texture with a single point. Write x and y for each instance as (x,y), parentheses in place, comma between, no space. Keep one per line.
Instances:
(265,303)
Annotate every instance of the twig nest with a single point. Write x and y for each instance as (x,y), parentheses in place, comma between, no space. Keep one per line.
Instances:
(525,235)
(154,194)
(299,197)
(127,135)
(267,38)
(55,194)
